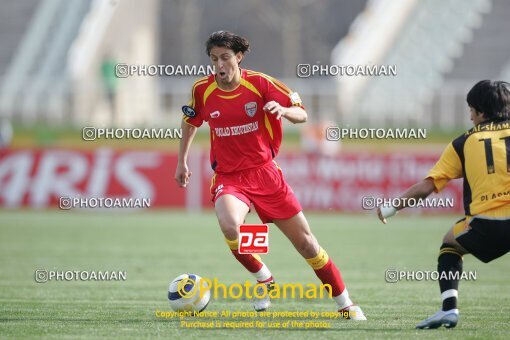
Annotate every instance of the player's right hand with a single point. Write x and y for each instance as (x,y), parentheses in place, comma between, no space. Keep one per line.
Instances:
(182,175)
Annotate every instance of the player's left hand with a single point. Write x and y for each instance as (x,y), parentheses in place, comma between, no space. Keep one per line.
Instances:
(379,214)
(274,108)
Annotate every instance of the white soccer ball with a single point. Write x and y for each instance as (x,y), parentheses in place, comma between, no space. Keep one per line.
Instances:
(187,292)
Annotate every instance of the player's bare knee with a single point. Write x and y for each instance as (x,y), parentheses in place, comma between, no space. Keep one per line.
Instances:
(230,233)
(228,226)
(450,240)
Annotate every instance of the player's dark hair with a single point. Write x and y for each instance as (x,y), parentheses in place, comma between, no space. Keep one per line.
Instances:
(228,40)
(492,98)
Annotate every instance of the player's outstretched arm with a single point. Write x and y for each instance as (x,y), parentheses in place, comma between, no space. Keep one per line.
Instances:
(182,173)
(419,190)
(293,114)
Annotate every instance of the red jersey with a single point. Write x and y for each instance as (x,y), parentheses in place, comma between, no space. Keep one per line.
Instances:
(243,136)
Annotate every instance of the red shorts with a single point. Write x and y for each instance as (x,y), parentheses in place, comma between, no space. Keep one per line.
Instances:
(265,187)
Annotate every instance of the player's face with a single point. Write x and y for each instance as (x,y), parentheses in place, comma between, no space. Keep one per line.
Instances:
(476,117)
(226,63)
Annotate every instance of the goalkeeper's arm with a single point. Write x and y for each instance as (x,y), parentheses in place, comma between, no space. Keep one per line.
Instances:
(419,190)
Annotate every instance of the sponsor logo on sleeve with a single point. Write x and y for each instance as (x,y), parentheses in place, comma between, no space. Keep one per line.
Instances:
(188,111)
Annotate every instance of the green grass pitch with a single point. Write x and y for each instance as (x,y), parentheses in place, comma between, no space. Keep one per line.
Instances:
(154,247)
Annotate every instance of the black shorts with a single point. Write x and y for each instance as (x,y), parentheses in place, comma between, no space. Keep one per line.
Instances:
(486,239)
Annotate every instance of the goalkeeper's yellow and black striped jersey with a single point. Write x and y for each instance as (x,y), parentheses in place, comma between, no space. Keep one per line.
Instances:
(482,157)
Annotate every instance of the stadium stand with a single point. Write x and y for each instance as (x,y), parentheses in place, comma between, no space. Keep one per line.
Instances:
(440,48)
(431,38)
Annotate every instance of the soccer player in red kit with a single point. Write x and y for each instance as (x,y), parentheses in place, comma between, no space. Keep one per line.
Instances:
(244,110)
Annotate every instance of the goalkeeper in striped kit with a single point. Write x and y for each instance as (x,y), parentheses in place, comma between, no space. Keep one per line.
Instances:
(244,110)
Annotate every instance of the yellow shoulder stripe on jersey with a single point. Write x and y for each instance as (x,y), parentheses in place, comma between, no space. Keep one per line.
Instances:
(193,91)
(285,90)
(268,126)
(230,97)
(202,79)
(198,82)
(277,84)
(319,261)
(250,87)
(213,86)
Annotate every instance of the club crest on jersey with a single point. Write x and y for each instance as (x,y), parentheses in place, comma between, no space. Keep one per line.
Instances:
(215,114)
(188,111)
(250,108)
